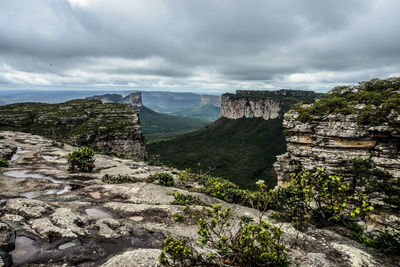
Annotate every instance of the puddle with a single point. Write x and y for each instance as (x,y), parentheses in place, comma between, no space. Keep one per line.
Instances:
(24,249)
(26,174)
(91,251)
(67,245)
(98,213)
(34,194)
(17,154)
(49,157)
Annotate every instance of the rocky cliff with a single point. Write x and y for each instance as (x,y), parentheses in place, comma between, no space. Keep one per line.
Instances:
(268,105)
(49,217)
(354,132)
(107,127)
(133,99)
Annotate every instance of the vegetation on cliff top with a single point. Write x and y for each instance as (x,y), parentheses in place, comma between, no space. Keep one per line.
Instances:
(375,102)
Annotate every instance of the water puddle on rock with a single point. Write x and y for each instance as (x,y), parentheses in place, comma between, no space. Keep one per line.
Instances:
(34,194)
(27,174)
(17,154)
(97,213)
(24,249)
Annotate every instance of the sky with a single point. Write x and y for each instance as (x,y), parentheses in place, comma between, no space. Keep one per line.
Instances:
(199,46)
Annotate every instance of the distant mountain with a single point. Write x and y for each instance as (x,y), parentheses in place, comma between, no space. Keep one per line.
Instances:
(154,125)
(184,104)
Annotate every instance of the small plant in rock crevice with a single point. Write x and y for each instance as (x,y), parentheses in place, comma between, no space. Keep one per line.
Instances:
(81,160)
(4,162)
(186,199)
(163,178)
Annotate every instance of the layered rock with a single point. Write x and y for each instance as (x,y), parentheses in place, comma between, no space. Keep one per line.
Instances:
(107,127)
(268,105)
(338,143)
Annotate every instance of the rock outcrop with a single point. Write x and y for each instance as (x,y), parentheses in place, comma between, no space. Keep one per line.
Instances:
(133,99)
(268,105)
(77,218)
(367,155)
(107,127)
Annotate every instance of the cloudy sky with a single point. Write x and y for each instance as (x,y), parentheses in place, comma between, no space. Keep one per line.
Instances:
(203,45)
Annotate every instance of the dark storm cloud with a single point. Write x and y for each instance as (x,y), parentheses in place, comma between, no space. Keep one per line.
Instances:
(198,44)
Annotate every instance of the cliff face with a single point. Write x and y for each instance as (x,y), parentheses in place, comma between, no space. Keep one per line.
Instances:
(268,105)
(368,155)
(109,127)
(133,99)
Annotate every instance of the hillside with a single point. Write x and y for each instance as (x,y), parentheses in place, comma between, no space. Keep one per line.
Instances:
(107,127)
(157,125)
(242,150)
(242,144)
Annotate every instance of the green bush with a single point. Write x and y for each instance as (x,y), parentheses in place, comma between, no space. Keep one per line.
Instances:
(120,179)
(4,162)
(386,242)
(379,97)
(163,178)
(81,160)
(186,199)
(326,198)
(253,244)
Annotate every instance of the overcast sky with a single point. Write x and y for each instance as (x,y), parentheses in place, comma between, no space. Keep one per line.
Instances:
(197,45)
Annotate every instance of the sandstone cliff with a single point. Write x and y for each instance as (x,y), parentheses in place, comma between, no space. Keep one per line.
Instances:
(108,127)
(341,136)
(268,105)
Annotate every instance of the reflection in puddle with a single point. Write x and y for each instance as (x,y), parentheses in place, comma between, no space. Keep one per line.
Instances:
(97,213)
(24,249)
(67,245)
(17,154)
(49,157)
(26,174)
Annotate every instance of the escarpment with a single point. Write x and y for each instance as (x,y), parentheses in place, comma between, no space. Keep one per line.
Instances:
(268,105)
(354,131)
(106,127)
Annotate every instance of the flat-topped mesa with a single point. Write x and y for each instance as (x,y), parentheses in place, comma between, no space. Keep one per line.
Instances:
(354,132)
(133,99)
(107,127)
(268,105)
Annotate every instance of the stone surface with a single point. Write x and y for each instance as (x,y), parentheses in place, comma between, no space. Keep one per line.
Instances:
(135,257)
(332,142)
(61,233)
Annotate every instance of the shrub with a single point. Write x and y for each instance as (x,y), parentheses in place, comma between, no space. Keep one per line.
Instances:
(4,162)
(81,160)
(120,179)
(253,244)
(163,178)
(386,242)
(178,217)
(186,199)
(327,198)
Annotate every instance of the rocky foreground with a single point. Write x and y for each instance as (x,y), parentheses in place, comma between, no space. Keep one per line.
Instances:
(50,217)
